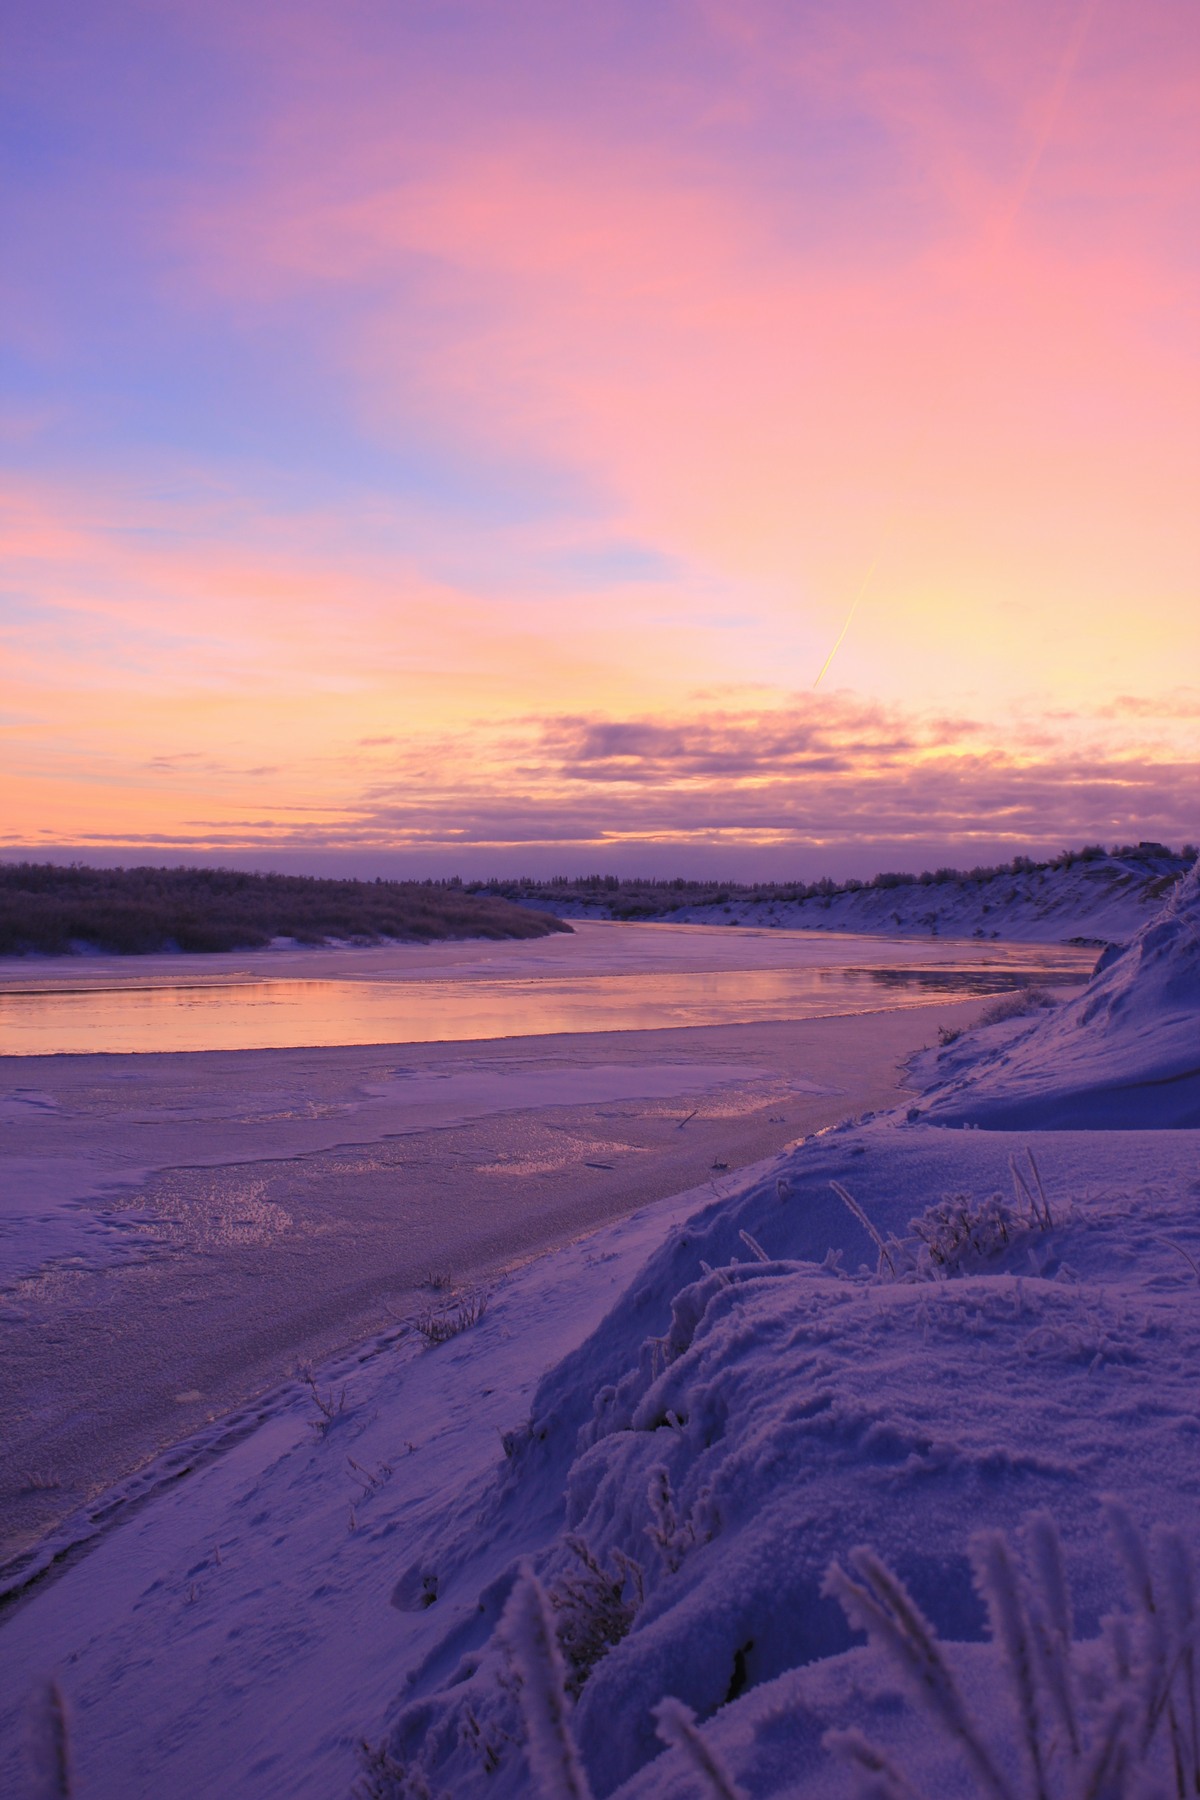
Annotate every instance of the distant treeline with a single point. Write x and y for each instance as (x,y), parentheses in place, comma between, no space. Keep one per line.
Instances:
(632,897)
(50,908)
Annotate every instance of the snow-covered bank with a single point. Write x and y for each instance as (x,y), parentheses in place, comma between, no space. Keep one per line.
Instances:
(781,1411)
(236,1636)
(1090,898)
(892,1334)
(1125,1053)
(731,1432)
(289,1203)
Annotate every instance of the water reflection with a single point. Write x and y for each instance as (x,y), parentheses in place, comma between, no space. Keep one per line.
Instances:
(962,981)
(254,1012)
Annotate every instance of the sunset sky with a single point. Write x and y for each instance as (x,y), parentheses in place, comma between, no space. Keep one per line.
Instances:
(452,437)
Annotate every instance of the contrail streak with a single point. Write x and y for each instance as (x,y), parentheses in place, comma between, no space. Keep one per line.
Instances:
(863,586)
(1007,220)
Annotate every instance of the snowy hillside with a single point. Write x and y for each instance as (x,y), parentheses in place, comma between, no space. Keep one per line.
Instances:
(1088,897)
(893,1336)
(1126,1052)
(793,1408)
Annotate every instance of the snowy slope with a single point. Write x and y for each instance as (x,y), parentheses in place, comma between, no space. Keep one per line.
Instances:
(717,1427)
(1106,899)
(1126,1052)
(779,1413)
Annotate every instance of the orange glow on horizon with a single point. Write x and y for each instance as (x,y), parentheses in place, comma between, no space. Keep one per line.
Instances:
(846,355)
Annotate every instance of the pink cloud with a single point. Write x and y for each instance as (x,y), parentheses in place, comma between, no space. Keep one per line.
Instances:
(762,400)
(779,296)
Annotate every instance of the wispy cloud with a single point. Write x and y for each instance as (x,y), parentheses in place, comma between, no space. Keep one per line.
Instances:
(416,410)
(777,789)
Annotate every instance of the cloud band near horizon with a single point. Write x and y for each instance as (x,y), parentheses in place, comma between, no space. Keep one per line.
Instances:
(537,387)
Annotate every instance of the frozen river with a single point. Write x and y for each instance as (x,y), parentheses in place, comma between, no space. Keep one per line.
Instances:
(601,978)
(275,1151)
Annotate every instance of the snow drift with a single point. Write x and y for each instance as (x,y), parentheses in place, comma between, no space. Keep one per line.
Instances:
(1125,1053)
(760,1402)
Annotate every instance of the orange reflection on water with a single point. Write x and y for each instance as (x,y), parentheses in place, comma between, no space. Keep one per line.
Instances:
(287,1013)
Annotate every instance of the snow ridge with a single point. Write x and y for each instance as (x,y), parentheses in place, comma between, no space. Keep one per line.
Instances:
(1124,1053)
(1088,897)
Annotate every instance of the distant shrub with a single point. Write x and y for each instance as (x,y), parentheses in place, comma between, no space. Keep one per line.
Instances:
(1016,1005)
(632,898)
(49,908)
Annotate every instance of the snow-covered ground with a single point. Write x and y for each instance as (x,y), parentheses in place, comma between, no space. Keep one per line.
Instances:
(1105,899)
(284,1204)
(1127,1051)
(678,1426)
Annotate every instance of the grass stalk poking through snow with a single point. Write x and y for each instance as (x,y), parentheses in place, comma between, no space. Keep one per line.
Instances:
(880,1604)
(1145,1710)
(877,1777)
(49,1746)
(1028,1187)
(528,1625)
(677,1728)
(754,1247)
(847,1199)
(330,1406)
(997,1580)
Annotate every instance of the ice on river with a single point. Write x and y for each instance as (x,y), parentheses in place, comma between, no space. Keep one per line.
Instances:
(731,1391)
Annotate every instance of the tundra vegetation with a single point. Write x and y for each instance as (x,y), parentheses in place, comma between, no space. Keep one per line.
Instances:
(1146,864)
(51,909)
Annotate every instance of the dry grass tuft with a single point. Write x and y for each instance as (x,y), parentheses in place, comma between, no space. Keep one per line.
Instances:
(438,1324)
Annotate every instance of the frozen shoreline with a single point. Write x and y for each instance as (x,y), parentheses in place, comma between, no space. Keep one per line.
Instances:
(265,1612)
(730,1388)
(284,1204)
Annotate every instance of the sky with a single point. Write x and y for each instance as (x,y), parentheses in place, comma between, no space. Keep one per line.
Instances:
(755,438)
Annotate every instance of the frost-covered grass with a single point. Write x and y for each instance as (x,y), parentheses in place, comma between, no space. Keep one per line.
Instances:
(1119,1716)
(438,1324)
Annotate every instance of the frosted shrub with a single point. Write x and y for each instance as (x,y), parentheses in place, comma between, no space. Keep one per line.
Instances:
(960,1228)
(1017,1005)
(593,1609)
(1118,1720)
(673,1534)
(439,1324)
